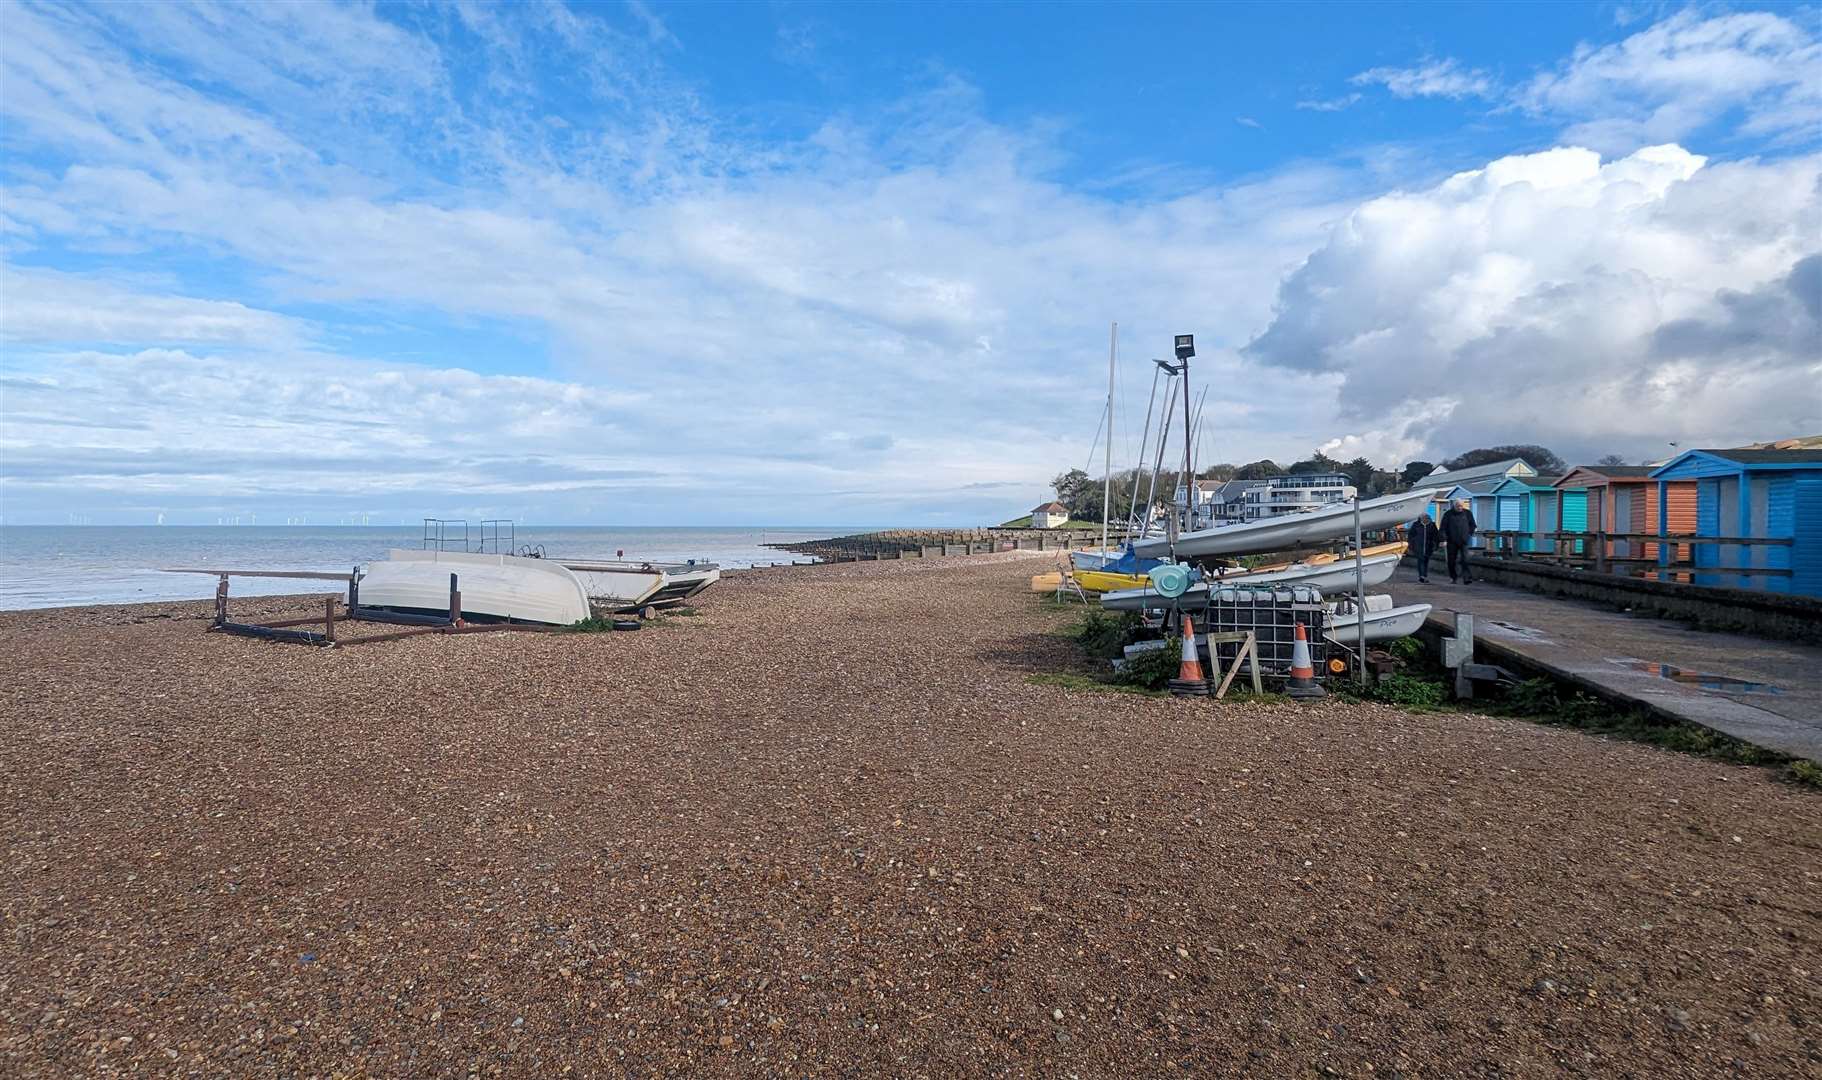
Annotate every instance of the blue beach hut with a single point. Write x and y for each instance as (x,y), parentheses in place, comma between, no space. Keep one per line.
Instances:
(1752,493)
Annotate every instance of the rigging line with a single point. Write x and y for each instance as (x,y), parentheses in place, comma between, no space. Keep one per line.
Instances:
(1096,444)
(1201,399)
(1138,469)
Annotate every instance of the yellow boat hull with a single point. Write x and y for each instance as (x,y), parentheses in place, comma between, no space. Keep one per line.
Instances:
(1105,581)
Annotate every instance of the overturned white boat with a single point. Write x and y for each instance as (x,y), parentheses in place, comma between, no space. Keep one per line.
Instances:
(1332,578)
(1289,531)
(1384,621)
(492,587)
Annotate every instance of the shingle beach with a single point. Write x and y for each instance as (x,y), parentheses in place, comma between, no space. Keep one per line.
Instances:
(830,827)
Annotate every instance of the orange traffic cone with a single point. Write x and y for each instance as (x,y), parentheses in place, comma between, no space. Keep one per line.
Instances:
(1303,683)
(1189,678)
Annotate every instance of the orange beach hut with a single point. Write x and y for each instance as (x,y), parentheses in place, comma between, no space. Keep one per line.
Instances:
(1624,499)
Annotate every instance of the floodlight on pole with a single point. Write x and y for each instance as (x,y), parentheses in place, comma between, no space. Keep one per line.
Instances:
(1186,348)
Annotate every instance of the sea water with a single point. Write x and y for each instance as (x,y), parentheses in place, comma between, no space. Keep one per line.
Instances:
(57,565)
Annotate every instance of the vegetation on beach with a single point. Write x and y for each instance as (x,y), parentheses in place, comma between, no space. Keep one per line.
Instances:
(1422,685)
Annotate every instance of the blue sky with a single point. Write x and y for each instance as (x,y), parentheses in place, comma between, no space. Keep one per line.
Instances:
(809,263)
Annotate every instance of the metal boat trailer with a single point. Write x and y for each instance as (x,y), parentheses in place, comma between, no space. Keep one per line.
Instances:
(292,630)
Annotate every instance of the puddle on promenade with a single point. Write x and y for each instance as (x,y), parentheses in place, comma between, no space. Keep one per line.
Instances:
(1725,684)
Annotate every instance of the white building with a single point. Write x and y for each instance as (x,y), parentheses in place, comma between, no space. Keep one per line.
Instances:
(1294,495)
(1049,516)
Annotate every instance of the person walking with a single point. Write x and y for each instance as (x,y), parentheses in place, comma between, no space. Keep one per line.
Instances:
(1458,530)
(1424,536)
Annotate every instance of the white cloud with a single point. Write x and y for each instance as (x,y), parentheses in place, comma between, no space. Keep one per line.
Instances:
(1556,298)
(1330,104)
(46,306)
(1680,75)
(901,314)
(1432,78)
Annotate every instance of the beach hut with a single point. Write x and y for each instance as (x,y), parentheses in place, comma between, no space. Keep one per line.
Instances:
(1479,495)
(1623,499)
(1571,512)
(1752,493)
(1525,505)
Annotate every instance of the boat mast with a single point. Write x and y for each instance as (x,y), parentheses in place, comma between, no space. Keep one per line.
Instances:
(1138,471)
(1157,464)
(1113,341)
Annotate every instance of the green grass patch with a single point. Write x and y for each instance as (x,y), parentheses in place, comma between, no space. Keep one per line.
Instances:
(1074,681)
(1424,686)
(1543,701)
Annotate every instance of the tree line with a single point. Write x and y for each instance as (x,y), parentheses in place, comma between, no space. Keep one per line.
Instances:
(1131,488)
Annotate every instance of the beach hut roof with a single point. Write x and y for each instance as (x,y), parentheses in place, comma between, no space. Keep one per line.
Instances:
(1596,475)
(1495,470)
(1756,456)
(1050,508)
(1726,462)
(1513,484)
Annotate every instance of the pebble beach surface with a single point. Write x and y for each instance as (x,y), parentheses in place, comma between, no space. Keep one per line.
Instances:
(830,827)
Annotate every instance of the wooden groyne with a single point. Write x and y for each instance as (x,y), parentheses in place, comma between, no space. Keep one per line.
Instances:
(931,543)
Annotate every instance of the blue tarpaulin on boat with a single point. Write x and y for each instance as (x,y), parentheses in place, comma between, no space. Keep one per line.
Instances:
(1130,563)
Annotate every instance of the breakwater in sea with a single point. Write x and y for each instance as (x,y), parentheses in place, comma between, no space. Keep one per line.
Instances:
(930,543)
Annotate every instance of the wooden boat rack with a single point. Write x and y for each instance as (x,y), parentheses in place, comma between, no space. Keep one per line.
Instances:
(292,630)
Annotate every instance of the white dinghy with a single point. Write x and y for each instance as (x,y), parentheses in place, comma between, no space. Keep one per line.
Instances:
(1332,578)
(1384,622)
(1289,531)
(492,586)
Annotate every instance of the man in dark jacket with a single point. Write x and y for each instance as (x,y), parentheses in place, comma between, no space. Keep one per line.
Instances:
(1423,536)
(1458,530)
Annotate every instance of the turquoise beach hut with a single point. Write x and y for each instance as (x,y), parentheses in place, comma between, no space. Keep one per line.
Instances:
(1752,493)
(1572,509)
(1525,505)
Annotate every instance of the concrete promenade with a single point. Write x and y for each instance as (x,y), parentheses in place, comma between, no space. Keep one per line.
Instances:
(1768,693)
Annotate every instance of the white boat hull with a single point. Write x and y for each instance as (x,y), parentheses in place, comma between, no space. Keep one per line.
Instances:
(1093,559)
(492,586)
(1332,578)
(1384,624)
(1292,530)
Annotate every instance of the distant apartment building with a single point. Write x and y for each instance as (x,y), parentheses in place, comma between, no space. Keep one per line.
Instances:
(1295,495)
(1232,501)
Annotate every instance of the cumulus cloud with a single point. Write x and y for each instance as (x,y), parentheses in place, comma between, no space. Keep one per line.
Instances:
(1684,73)
(1562,299)
(1432,78)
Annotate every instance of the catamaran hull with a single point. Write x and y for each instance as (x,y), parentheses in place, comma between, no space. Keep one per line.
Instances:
(1292,530)
(1332,578)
